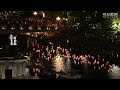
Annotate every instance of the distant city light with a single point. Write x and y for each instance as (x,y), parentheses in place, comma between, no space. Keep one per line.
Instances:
(28,33)
(37,50)
(3,27)
(58,18)
(35,13)
(43,14)
(30,28)
(39,28)
(67,41)
(12,28)
(65,19)
(21,28)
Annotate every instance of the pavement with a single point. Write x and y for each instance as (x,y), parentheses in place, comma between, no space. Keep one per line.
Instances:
(20,77)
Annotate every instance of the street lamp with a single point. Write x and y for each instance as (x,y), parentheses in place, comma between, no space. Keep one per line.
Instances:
(58,18)
(43,14)
(35,13)
(65,19)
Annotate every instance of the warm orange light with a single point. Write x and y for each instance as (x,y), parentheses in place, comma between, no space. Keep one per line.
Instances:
(58,18)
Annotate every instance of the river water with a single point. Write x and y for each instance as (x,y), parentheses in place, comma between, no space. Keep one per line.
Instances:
(86,70)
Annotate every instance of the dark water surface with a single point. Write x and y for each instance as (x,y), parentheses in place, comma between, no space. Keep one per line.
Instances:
(87,71)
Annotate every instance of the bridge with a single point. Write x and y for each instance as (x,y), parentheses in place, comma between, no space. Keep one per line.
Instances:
(24,31)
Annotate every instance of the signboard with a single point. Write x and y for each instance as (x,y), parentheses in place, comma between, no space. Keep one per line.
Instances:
(110,15)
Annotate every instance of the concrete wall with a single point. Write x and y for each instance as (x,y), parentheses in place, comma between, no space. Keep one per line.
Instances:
(17,66)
